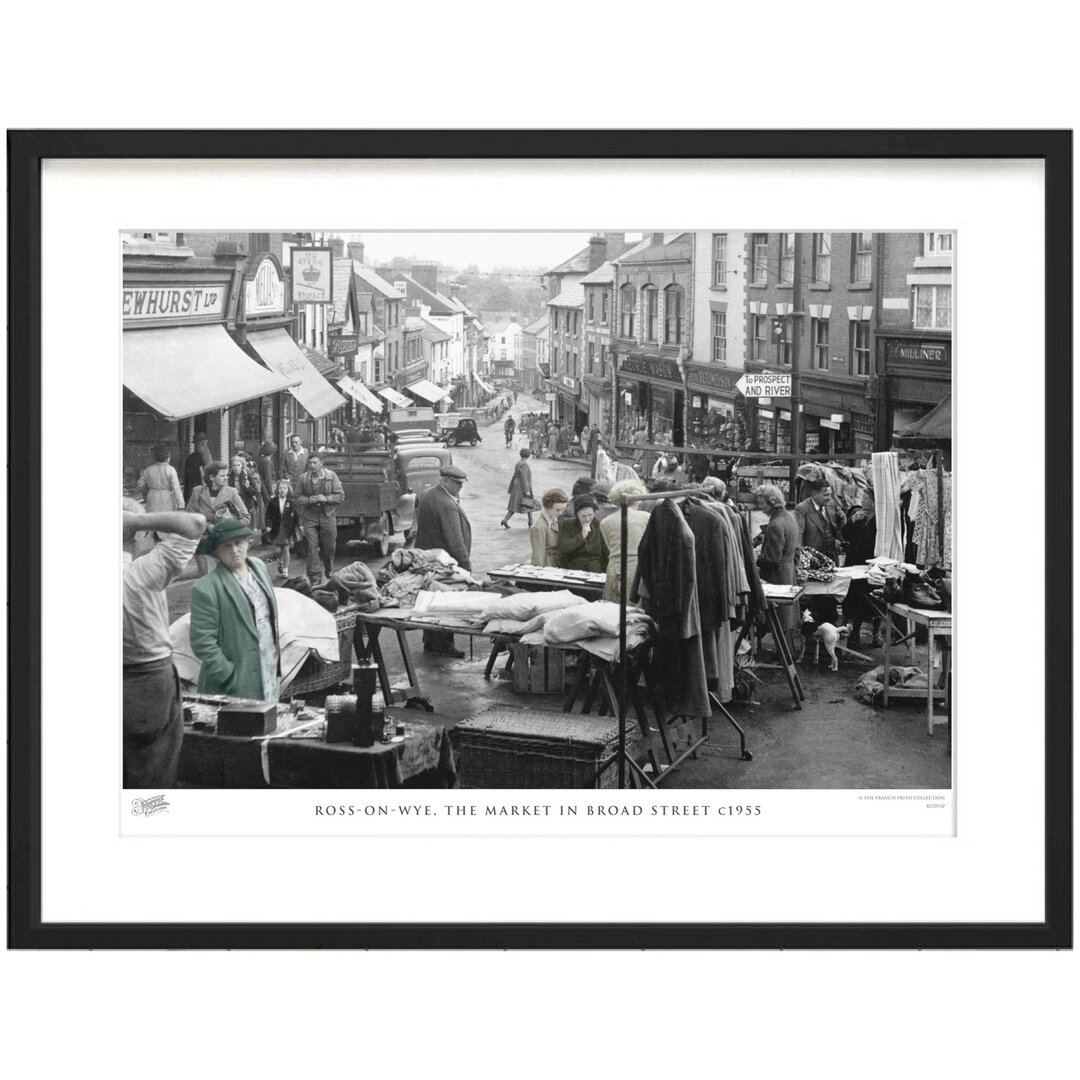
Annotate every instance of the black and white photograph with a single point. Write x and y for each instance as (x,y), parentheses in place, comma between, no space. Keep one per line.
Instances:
(539,509)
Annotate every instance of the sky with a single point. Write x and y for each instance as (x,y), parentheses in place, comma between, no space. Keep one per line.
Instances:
(486,249)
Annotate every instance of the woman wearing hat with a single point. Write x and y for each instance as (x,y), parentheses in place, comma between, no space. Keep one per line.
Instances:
(521,495)
(234,618)
(581,544)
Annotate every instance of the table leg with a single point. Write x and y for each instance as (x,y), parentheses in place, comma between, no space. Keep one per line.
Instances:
(406,658)
(887,650)
(579,680)
(783,648)
(930,680)
(496,648)
(375,649)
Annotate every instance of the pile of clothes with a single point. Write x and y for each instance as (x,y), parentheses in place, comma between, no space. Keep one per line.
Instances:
(526,612)
(814,566)
(847,485)
(871,686)
(593,627)
(411,570)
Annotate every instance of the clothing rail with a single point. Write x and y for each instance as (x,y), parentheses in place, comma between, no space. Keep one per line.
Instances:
(624,688)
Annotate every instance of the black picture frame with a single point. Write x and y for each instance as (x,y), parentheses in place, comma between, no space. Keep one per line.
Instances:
(27,150)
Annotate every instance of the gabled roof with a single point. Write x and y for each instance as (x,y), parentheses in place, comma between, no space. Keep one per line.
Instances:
(538,327)
(579,263)
(371,279)
(604,274)
(433,333)
(676,249)
(496,327)
(573,296)
(434,300)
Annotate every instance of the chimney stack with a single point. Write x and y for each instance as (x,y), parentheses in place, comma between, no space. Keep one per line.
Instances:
(337,247)
(356,251)
(597,251)
(426,274)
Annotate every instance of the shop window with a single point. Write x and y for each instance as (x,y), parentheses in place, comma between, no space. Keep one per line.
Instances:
(719,258)
(673,315)
(760,246)
(933,307)
(628,303)
(822,257)
(819,337)
(719,337)
(651,300)
(813,442)
(787,258)
(861,256)
(860,347)
(760,336)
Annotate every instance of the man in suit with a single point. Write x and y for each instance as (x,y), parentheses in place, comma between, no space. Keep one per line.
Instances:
(318,494)
(819,521)
(441,523)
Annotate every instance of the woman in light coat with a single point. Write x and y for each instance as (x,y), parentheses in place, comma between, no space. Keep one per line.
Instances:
(520,490)
(216,501)
(611,531)
(159,485)
(544,534)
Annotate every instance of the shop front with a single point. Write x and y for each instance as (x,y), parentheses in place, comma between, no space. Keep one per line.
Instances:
(650,394)
(712,418)
(570,410)
(598,395)
(183,370)
(916,376)
(835,419)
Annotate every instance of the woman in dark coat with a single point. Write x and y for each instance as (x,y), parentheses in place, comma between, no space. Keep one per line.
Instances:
(520,489)
(779,546)
(581,544)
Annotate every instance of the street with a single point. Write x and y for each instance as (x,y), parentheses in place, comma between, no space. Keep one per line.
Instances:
(483,497)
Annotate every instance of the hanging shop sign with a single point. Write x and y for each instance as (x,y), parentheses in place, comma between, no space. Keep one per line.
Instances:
(312,275)
(652,367)
(172,303)
(765,384)
(264,294)
(551,397)
(568,383)
(342,344)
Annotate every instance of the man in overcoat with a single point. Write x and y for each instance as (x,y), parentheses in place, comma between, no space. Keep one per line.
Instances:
(441,523)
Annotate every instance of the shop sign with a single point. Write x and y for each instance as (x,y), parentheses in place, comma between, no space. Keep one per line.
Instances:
(264,294)
(569,383)
(820,396)
(711,380)
(312,275)
(916,352)
(343,344)
(765,384)
(551,397)
(652,366)
(172,302)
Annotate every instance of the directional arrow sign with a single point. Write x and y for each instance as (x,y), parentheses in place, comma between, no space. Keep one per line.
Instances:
(765,384)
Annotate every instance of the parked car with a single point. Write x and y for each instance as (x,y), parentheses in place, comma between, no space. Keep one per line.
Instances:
(463,432)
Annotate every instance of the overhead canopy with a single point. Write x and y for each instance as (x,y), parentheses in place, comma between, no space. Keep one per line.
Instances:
(283,355)
(485,385)
(194,369)
(395,397)
(362,394)
(934,427)
(428,390)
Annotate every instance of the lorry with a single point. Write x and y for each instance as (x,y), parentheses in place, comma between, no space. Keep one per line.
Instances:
(381,488)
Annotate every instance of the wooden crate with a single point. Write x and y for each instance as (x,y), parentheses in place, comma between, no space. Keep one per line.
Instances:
(538,670)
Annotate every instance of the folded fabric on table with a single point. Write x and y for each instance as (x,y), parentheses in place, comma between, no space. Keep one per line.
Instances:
(597,619)
(443,603)
(515,626)
(524,606)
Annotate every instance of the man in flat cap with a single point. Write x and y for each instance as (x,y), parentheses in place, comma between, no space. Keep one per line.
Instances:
(441,523)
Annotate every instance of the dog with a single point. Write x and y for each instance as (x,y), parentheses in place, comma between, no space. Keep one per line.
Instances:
(824,634)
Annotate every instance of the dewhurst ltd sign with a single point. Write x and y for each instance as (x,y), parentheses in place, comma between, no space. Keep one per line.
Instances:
(171,302)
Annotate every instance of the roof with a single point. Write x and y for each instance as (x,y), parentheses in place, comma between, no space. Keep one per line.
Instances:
(432,299)
(370,278)
(433,333)
(321,362)
(496,327)
(574,296)
(579,263)
(339,312)
(538,327)
(604,274)
(677,249)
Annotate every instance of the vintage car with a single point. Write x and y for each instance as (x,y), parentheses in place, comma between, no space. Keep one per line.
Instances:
(381,489)
(464,432)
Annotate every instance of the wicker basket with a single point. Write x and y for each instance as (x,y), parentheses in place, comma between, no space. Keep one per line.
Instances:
(316,674)
(504,747)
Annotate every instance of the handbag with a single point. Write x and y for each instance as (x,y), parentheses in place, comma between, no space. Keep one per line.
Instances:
(529,504)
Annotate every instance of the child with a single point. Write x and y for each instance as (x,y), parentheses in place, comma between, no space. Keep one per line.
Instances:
(283,523)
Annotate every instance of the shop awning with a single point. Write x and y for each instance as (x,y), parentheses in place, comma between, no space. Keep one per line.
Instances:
(194,369)
(395,397)
(362,394)
(284,356)
(427,390)
(934,427)
(486,386)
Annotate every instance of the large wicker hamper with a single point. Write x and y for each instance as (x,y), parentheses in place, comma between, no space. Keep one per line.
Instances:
(506,747)
(316,675)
